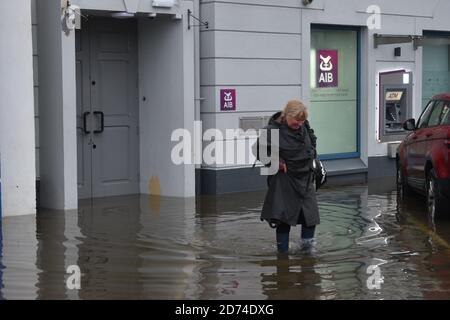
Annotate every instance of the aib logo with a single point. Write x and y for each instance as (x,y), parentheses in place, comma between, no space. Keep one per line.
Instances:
(327,71)
(227,99)
(325,63)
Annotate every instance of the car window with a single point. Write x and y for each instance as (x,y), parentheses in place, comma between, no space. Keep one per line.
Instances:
(423,120)
(436,114)
(446,113)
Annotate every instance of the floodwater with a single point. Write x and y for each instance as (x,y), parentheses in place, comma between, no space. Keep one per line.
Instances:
(215,247)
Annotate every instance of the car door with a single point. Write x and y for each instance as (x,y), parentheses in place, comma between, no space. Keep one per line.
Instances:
(438,131)
(444,138)
(416,149)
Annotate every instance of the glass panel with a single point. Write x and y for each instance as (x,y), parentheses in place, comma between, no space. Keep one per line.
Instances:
(436,72)
(446,113)
(436,114)
(333,77)
(423,121)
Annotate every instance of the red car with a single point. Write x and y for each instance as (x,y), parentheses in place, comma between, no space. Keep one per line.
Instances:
(423,158)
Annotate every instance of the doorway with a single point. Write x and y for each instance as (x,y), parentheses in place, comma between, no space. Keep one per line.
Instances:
(107,108)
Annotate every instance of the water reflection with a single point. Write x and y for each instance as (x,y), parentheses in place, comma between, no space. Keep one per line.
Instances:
(1,264)
(140,247)
(108,254)
(293,278)
(20,273)
(167,247)
(50,260)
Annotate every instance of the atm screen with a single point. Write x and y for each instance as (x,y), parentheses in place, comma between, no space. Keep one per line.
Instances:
(395,110)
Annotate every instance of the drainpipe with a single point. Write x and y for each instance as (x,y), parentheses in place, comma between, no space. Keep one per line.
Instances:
(197,62)
(0,202)
(197,97)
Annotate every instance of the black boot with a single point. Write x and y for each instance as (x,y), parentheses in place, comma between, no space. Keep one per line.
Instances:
(282,242)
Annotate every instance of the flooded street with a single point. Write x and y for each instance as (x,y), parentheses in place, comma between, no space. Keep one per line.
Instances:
(216,247)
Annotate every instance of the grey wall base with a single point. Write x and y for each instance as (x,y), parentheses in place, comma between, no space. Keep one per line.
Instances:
(231,180)
(340,172)
(242,180)
(380,167)
(381,170)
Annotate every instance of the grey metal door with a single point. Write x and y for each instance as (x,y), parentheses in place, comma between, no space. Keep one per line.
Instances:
(107,108)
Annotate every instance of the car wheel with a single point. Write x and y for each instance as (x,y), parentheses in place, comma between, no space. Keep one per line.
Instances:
(402,186)
(435,203)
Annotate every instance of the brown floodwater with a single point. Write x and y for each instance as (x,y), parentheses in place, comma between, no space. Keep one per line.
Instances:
(216,247)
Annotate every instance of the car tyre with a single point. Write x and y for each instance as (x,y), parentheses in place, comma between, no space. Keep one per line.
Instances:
(436,204)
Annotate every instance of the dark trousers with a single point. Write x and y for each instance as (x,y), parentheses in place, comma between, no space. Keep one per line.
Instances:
(283,236)
(307,232)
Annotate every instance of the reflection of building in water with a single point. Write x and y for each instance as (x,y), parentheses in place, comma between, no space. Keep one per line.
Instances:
(294,278)
(430,241)
(1,259)
(388,257)
(167,248)
(108,254)
(19,258)
(207,265)
(57,236)
(51,253)
(231,239)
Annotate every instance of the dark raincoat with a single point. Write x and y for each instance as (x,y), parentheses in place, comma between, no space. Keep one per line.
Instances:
(291,197)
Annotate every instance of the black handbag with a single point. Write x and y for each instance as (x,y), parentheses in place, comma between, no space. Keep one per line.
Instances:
(319,173)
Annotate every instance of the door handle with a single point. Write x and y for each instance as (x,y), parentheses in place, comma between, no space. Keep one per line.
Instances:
(102,121)
(85,122)
(428,135)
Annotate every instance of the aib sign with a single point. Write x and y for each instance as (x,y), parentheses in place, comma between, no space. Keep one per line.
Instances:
(327,68)
(227,99)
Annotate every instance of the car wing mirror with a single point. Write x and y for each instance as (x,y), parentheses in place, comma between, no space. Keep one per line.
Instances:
(409,125)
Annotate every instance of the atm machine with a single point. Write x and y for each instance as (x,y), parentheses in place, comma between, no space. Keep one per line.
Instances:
(395,98)
(395,106)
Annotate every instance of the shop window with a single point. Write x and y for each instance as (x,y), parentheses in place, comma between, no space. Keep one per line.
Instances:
(334,100)
(435,67)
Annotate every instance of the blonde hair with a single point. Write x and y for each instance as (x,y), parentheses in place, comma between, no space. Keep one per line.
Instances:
(295,109)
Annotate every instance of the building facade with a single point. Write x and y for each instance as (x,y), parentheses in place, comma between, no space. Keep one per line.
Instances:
(270,52)
(94,90)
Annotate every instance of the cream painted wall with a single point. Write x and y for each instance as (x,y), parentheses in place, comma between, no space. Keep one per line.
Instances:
(17,130)
(166,72)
